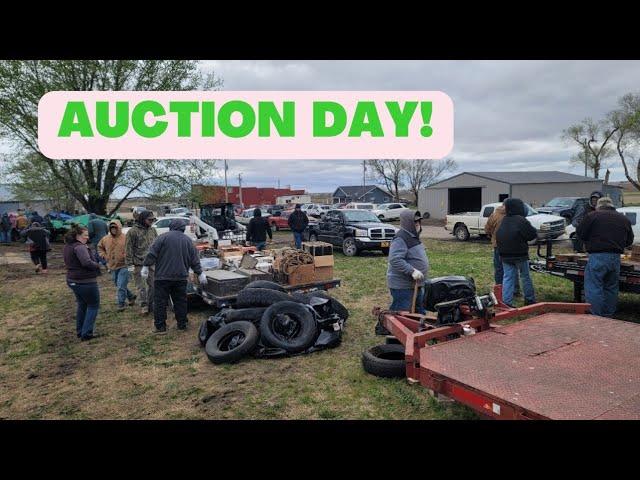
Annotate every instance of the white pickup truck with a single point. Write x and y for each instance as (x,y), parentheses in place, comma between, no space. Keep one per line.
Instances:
(463,225)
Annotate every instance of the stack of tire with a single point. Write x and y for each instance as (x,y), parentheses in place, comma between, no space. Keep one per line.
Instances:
(386,360)
(267,318)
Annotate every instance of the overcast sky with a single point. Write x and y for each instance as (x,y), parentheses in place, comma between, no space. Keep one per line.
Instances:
(509,115)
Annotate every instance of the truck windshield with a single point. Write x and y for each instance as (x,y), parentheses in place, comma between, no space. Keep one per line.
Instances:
(360,216)
(561,202)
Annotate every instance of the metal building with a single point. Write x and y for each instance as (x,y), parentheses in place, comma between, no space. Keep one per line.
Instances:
(468,191)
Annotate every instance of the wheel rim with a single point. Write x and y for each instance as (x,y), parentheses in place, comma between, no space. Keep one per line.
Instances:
(349,247)
(461,234)
(230,341)
(313,238)
(285,326)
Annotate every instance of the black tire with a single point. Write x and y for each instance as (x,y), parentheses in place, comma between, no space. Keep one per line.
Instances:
(253,315)
(260,297)
(266,284)
(288,325)
(385,360)
(203,333)
(336,306)
(461,233)
(232,342)
(349,247)
(426,215)
(381,217)
(313,237)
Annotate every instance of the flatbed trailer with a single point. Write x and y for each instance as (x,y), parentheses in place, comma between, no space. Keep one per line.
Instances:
(560,364)
(574,272)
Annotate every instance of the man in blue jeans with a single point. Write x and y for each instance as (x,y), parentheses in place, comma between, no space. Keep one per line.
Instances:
(605,234)
(298,222)
(112,248)
(512,237)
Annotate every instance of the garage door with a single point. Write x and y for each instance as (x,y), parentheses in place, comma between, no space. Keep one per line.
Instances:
(465,200)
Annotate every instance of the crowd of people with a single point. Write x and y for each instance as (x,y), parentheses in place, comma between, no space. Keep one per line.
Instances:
(33,230)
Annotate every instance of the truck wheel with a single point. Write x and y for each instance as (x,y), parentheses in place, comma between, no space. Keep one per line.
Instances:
(385,360)
(290,326)
(461,233)
(313,237)
(381,217)
(232,342)
(349,247)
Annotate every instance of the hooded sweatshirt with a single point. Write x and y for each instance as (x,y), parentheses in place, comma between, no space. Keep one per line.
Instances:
(173,253)
(138,240)
(495,219)
(406,254)
(38,236)
(112,247)
(514,232)
(97,229)
(258,228)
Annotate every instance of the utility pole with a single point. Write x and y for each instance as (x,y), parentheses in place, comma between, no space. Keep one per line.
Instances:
(240,188)
(226,189)
(364,172)
(278,184)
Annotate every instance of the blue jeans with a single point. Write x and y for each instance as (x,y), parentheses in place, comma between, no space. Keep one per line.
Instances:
(402,300)
(260,245)
(498,271)
(297,236)
(5,237)
(88,303)
(510,281)
(601,283)
(121,279)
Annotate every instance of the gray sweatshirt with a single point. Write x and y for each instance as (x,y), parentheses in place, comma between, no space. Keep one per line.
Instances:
(173,254)
(406,254)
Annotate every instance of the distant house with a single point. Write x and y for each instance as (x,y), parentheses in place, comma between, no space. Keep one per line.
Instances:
(364,194)
(248,195)
(9,202)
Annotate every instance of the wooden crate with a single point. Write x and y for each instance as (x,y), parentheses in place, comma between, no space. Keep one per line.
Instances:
(302,274)
(317,248)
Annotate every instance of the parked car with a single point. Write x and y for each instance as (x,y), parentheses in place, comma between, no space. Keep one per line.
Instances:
(464,225)
(632,213)
(280,220)
(389,211)
(312,209)
(564,206)
(182,211)
(196,228)
(360,206)
(353,231)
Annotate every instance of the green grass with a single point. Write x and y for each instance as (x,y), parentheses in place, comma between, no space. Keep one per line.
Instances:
(128,373)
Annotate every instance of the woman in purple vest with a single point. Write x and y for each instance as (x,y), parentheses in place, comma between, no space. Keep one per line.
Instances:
(82,277)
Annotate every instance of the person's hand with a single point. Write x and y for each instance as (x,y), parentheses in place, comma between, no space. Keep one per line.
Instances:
(202,279)
(130,268)
(417,275)
(144,273)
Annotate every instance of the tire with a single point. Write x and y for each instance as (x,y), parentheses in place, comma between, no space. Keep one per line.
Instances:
(313,237)
(426,215)
(336,306)
(265,284)
(232,342)
(259,297)
(203,333)
(252,315)
(288,325)
(381,217)
(349,247)
(385,361)
(461,233)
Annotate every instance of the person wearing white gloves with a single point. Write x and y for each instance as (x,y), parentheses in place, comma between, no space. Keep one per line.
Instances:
(408,264)
(173,254)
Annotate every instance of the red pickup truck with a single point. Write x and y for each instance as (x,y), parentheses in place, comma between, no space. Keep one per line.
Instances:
(280,220)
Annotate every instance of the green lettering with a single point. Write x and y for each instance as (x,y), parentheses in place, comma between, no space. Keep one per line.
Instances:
(320,127)
(401,117)
(138,115)
(366,119)
(247,123)
(102,119)
(73,111)
(268,114)
(184,111)
(208,119)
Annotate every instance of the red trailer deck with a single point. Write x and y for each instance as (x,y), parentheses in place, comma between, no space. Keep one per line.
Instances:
(552,366)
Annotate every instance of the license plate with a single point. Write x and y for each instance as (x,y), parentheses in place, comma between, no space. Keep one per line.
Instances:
(384,244)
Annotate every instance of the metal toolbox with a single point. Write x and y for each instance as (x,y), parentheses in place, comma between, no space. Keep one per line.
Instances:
(223,282)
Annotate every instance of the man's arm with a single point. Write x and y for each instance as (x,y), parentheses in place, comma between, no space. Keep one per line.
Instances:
(490,227)
(152,255)
(630,236)
(583,232)
(129,245)
(397,253)
(101,248)
(530,232)
(194,260)
(269,230)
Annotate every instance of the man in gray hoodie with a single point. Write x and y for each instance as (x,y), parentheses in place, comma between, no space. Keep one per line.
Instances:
(173,254)
(408,264)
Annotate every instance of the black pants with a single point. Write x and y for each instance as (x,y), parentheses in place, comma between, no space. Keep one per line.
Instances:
(177,290)
(39,257)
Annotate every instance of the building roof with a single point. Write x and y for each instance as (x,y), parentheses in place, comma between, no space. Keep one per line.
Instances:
(516,178)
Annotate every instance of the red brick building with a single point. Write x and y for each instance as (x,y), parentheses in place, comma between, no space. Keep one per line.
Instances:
(250,195)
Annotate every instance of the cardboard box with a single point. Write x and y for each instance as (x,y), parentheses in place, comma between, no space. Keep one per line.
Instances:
(302,274)
(323,261)
(323,273)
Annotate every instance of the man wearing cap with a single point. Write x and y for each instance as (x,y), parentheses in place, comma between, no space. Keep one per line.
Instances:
(112,248)
(580,214)
(298,222)
(173,254)
(138,240)
(408,264)
(605,234)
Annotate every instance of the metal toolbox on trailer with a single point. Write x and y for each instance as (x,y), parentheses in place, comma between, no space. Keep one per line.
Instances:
(223,282)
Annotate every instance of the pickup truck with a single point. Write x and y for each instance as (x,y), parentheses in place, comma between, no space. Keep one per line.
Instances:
(464,225)
(353,231)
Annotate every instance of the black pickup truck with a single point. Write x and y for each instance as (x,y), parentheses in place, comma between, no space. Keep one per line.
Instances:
(353,231)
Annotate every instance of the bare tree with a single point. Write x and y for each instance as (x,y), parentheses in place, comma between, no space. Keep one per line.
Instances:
(422,173)
(625,122)
(389,173)
(592,137)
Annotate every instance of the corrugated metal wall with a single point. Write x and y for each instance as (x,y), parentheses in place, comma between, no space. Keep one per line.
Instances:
(536,194)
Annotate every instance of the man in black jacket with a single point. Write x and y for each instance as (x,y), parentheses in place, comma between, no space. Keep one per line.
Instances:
(173,254)
(258,229)
(605,233)
(580,214)
(298,221)
(512,238)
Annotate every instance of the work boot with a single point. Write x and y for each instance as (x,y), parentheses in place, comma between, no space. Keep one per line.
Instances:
(183,326)
(121,308)
(160,331)
(38,268)
(132,300)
